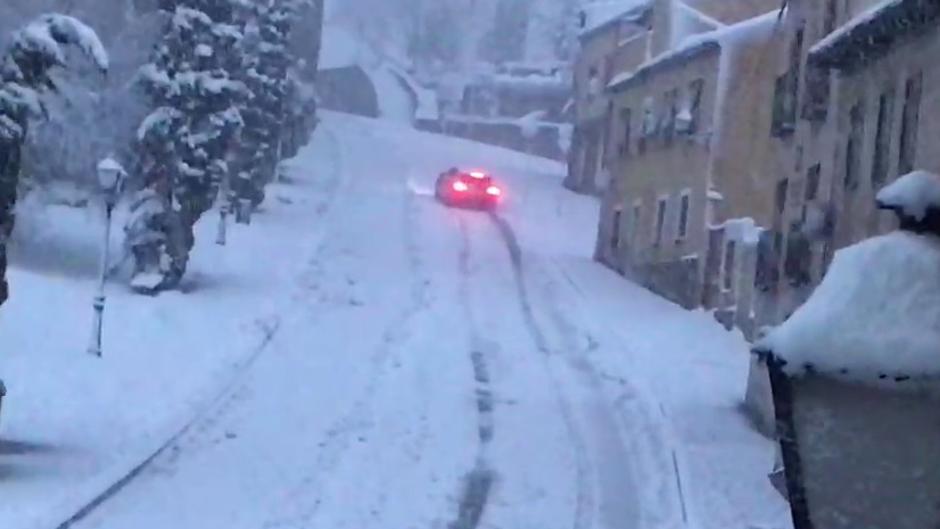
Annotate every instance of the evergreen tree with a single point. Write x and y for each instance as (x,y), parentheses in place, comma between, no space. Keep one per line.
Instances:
(279,95)
(24,74)
(186,143)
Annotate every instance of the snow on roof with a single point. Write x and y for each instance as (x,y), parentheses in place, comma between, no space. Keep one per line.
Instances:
(697,14)
(912,194)
(602,12)
(689,47)
(874,317)
(725,37)
(530,123)
(853,25)
(532,81)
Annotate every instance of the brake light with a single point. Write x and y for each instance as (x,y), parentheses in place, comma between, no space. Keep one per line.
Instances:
(477,174)
(460,186)
(494,191)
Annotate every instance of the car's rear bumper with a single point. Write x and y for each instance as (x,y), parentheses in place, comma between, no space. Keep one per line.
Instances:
(472,201)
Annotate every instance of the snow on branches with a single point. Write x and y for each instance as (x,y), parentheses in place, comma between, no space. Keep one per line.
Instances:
(24,74)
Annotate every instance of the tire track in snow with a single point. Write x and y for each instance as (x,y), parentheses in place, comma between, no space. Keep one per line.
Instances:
(307,496)
(478,483)
(584,501)
(228,392)
(640,423)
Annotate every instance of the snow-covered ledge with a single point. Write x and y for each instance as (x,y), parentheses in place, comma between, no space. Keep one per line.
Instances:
(915,198)
(855,376)
(876,314)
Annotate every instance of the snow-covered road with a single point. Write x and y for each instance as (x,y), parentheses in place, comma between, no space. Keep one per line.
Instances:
(439,368)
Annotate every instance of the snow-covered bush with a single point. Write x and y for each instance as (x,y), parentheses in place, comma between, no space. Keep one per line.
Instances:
(25,72)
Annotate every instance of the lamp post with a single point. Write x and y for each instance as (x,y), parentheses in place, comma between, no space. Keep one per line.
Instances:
(110,178)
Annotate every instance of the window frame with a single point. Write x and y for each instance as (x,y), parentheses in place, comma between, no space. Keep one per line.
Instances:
(626,126)
(881,151)
(671,98)
(659,224)
(637,219)
(685,214)
(910,122)
(615,234)
(811,187)
(854,146)
(696,92)
(728,264)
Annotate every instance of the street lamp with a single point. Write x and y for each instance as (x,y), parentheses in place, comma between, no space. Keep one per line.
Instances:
(110,177)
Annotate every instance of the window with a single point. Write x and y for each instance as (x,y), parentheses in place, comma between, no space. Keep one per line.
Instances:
(879,166)
(785,90)
(730,251)
(781,195)
(660,221)
(608,69)
(649,125)
(812,183)
(635,226)
(816,98)
(796,266)
(626,116)
(669,129)
(696,88)
(685,201)
(830,17)
(828,254)
(796,51)
(594,83)
(853,147)
(605,135)
(783,122)
(909,123)
(615,229)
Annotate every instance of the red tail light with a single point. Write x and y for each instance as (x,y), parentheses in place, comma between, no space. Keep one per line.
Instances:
(460,186)
(494,191)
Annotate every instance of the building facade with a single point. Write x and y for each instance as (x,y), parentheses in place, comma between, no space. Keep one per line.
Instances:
(613,38)
(749,145)
(686,158)
(849,119)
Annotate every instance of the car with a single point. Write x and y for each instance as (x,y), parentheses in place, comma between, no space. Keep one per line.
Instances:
(468,189)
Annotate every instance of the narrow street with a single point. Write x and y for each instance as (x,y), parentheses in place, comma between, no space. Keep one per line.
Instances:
(434,371)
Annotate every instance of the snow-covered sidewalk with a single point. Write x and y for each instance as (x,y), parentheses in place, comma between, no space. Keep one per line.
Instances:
(73,424)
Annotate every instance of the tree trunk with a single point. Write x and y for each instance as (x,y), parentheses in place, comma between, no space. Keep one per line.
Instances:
(9,178)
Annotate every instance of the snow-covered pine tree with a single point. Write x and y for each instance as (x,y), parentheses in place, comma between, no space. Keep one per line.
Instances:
(24,74)
(268,62)
(185,145)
